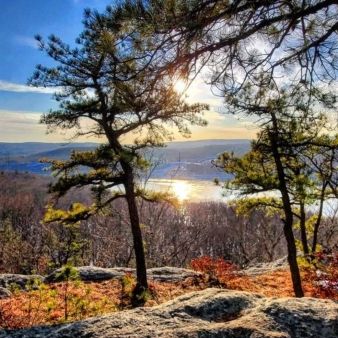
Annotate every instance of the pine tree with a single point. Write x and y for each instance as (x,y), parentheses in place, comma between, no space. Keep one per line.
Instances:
(101,94)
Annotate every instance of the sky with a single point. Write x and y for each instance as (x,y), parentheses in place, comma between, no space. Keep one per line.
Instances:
(21,106)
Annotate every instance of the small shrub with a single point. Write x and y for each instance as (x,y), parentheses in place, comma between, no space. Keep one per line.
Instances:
(324,274)
(131,294)
(67,274)
(127,283)
(218,269)
(14,289)
(28,313)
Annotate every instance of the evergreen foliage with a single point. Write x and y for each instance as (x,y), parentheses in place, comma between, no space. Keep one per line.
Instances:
(297,36)
(96,100)
(287,159)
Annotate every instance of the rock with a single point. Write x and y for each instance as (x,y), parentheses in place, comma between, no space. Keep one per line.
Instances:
(21,281)
(263,268)
(95,274)
(4,293)
(209,313)
(170,274)
(89,273)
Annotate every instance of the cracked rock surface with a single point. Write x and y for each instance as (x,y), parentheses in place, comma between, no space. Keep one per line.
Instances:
(203,314)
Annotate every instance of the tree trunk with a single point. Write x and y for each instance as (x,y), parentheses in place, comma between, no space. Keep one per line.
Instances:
(141,271)
(292,258)
(320,214)
(288,221)
(303,231)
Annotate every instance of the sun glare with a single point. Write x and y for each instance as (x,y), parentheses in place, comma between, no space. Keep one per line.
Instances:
(181,189)
(180,86)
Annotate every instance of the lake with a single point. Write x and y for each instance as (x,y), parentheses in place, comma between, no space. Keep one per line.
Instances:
(188,190)
(199,191)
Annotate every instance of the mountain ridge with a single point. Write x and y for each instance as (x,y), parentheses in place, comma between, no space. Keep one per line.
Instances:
(189,155)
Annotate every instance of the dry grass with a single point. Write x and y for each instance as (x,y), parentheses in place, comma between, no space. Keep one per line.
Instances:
(47,305)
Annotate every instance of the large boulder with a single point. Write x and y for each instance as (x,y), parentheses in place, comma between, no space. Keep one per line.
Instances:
(209,313)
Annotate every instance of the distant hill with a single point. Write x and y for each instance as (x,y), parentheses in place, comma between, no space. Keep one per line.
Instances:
(30,148)
(197,151)
(59,153)
(25,156)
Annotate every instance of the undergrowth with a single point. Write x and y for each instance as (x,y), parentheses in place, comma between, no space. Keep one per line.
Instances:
(72,299)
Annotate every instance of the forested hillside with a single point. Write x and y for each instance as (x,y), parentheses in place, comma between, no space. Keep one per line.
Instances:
(172,236)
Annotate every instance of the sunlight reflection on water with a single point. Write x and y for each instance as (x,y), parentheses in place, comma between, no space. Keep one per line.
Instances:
(185,190)
(201,191)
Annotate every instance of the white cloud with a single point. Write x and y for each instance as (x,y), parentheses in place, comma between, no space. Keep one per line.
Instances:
(19,126)
(20,88)
(24,126)
(26,41)
(248,124)
(215,116)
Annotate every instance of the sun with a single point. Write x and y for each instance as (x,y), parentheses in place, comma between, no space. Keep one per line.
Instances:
(180,86)
(182,190)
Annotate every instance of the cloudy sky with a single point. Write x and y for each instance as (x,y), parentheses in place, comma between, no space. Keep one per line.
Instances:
(21,106)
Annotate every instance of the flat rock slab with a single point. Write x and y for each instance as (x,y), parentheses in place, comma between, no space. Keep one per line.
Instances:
(209,313)
(163,274)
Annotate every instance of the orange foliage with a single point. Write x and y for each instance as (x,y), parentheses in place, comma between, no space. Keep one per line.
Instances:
(217,268)
(46,306)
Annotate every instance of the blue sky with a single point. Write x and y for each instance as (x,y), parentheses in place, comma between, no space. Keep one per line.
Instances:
(21,106)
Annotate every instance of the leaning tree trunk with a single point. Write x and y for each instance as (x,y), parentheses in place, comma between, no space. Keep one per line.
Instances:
(288,221)
(141,271)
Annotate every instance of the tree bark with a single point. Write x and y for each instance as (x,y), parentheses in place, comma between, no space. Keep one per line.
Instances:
(303,231)
(288,221)
(320,214)
(292,258)
(141,270)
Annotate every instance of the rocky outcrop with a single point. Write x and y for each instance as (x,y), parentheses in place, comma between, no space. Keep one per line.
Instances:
(89,273)
(20,281)
(209,314)
(170,274)
(96,274)
(263,268)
